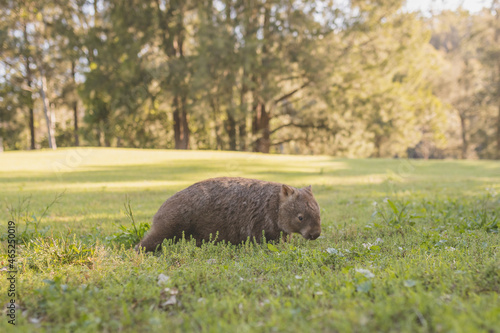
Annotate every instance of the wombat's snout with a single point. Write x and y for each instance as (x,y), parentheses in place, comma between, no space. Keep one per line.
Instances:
(314,234)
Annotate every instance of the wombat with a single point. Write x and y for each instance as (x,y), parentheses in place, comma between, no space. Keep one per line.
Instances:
(234,209)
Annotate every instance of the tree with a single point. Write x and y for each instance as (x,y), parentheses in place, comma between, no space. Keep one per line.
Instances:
(380,99)
(469,79)
(17,62)
(461,84)
(491,38)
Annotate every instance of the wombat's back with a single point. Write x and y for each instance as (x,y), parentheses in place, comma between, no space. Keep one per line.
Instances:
(232,208)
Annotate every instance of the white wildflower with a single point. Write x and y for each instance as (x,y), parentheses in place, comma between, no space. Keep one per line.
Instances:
(365,272)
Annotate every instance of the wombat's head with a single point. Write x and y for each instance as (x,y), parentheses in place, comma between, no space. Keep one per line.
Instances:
(299,212)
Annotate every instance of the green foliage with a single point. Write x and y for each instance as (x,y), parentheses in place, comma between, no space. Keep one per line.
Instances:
(480,220)
(363,79)
(47,253)
(481,216)
(396,214)
(469,48)
(54,295)
(409,275)
(129,236)
(489,279)
(27,222)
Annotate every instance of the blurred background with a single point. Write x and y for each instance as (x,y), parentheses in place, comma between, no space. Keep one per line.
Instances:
(359,78)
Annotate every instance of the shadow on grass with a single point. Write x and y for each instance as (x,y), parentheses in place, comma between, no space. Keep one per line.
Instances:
(95,194)
(194,170)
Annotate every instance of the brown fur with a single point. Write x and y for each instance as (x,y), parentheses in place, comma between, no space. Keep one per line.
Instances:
(235,209)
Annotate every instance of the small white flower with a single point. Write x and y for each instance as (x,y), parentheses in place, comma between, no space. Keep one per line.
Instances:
(298,277)
(264,302)
(365,272)
(163,279)
(34,320)
(491,191)
(173,291)
(409,283)
(332,250)
(171,301)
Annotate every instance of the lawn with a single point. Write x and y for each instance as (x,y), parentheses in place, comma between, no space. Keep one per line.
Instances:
(407,246)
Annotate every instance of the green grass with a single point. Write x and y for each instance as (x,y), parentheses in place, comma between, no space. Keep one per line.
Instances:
(406,246)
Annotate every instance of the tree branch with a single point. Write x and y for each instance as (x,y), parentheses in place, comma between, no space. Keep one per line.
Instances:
(290,94)
(287,140)
(319,126)
(294,77)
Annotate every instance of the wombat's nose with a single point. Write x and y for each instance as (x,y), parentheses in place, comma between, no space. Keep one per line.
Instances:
(315,234)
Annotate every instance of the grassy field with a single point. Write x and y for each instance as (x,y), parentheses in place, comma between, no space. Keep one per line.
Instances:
(407,246)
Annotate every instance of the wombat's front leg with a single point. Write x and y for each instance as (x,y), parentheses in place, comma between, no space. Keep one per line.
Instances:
(151,242)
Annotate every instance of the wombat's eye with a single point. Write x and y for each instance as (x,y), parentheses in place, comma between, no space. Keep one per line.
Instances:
(300,218)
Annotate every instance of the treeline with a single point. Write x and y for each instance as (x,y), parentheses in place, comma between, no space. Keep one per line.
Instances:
(347,78)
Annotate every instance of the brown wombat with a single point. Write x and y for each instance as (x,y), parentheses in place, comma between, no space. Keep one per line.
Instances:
(233,209)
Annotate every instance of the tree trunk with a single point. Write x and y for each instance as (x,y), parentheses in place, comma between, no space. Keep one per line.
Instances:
(215,117)
(32,126)
(185,126)
(177,123)
(498,129)
(465,142)
(242,126)
(377,141)
(261,129)
(173,43)
(255,125)
(243,134)
(99,134)
(29,82)
(262,118)
(49,117)
(75,107)
(231,130)
(181,128)
(75,117)
(107,141)
(497,40)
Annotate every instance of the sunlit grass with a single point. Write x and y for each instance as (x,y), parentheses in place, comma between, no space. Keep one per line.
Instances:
(433,268)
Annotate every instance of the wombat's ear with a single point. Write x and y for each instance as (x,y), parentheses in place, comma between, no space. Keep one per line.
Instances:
(287,191)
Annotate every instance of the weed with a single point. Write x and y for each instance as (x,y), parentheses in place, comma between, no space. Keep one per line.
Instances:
(489,279)
(443,276)
(56,298)
(27,220)
(42,253)
(129,236)
(396,215)
(479,218)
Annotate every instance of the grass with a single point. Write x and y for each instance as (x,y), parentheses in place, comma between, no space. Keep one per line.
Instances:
(406,246)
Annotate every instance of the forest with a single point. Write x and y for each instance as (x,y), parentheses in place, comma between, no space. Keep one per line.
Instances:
(355,78)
